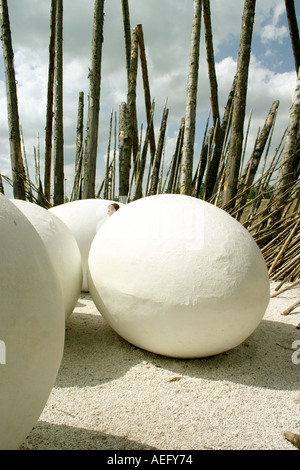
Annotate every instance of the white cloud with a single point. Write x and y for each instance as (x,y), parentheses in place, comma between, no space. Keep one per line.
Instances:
(272,32)
(167,31)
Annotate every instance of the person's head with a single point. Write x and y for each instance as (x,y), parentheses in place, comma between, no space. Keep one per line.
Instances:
(112,208)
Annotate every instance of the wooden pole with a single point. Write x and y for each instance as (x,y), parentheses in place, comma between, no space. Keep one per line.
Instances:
(146,89)
(18,171)
(58,193)
(50,98)
(239,103)
(191,102)
(90,157)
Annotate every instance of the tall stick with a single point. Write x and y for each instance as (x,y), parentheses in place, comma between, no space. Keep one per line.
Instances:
(127,34)
(191,102)
(131,98)
(146,89)
(90,158)
(139,182)
(158,154)
(115,159)
(239,103)
(294,31)
(124,154)
(108,158)
(212,169)
(79,134)
(58,194)
(49,111)
(18,171)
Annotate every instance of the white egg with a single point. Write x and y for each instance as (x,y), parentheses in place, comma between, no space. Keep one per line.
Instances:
(84,218)
(32,325)
(62,248)
(178,276)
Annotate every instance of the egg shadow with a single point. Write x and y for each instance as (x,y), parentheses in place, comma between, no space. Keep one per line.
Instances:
(49,436)
(95,354)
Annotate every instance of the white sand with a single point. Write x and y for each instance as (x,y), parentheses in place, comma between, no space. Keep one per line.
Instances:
(110,395)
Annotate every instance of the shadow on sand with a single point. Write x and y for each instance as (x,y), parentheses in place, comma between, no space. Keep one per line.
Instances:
(95,354)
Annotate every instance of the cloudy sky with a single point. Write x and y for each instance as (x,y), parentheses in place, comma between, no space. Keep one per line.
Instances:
(167,32)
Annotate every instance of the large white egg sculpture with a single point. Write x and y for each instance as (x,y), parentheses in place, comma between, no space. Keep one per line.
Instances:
(179,277)
(84,218)
(62,248)
(32,326)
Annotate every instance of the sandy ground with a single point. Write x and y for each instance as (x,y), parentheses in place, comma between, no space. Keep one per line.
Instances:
(110,395)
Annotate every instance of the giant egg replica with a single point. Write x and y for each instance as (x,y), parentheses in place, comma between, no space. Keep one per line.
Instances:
(62,248)
(179,277)
(32,326)
(84,218)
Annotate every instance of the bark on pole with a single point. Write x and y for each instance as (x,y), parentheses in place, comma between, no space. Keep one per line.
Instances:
(131,99)
(49,111)
(1,185)
(248,175)
(239,103)
(79,133)
(114,160)
(108,165)
(225,128)
(247,178)
(79,148)
(203,162)
(158,154)
(176,159)
(191,102)
(139,182)
(212,170)
(127,34)
(146,89)
(124,154)
(18,171)
(90,159)
(290,162)
(294,31)
(58,194)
